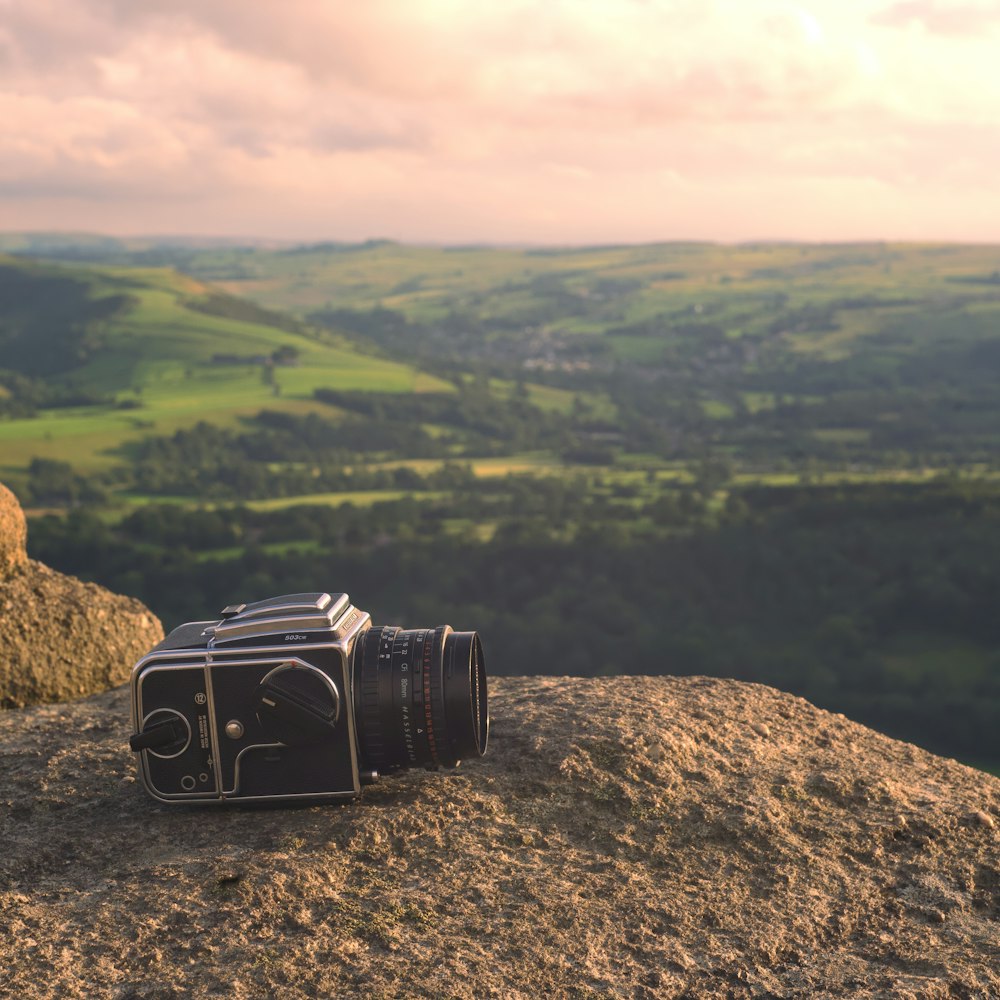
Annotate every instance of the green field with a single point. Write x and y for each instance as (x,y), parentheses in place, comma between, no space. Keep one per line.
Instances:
(154,365)
(157,371)
(360,498)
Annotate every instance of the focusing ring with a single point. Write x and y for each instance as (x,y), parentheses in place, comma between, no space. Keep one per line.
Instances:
(376,642)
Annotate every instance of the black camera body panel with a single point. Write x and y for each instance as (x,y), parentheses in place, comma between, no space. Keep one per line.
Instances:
(254,707)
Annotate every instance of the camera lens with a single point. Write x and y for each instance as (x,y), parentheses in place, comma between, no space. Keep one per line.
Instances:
(419,697)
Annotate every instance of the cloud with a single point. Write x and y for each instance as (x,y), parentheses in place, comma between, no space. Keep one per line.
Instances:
(958,20)
(448,115)
(508,59)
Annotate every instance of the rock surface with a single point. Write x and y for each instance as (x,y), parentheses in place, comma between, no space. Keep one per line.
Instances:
(13,535)
(623,837)
(60,638)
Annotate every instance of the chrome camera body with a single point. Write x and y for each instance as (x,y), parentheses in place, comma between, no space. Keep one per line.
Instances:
(300,698)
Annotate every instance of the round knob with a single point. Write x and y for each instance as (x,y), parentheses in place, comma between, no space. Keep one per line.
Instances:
(297,705)
(164,733)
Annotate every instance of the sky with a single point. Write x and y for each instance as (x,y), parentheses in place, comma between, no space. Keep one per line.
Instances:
(503,121)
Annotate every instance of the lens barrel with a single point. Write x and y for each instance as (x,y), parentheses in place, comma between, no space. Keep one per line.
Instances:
(419,697)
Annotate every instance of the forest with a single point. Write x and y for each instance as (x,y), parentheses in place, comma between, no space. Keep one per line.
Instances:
(878,601)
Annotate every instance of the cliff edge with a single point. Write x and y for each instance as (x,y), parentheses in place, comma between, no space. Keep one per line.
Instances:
(623,837)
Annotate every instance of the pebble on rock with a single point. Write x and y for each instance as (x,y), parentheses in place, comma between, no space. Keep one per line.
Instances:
(984,819)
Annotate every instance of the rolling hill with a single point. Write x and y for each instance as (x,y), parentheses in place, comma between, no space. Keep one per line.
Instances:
(847,356)
(113,354)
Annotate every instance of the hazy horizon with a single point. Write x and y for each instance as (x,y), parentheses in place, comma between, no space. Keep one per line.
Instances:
(249,239)
(519,123)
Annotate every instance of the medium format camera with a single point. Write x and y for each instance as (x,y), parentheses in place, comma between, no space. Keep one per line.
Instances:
(300,698)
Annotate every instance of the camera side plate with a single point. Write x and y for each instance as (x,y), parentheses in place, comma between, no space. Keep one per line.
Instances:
(222,680)
(255,766)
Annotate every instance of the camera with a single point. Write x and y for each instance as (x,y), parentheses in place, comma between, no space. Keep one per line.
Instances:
(301,698)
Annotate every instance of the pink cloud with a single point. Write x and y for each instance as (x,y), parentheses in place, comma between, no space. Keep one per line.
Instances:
(949,19)
(445,119)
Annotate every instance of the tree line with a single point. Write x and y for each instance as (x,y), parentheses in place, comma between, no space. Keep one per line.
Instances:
(878,601)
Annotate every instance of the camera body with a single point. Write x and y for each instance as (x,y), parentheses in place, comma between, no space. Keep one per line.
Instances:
(256,706)
(301,698)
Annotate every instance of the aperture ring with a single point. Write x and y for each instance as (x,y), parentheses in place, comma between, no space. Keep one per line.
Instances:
(425,676)
(443,755)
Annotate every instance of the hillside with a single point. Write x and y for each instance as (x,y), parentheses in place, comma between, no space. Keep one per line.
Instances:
(645,304)
(869,354)
(839,357)
(623,837)
(96,357)
(824,301)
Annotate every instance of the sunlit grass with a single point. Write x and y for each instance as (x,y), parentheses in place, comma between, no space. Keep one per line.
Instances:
(158,358)
(360,498)
(715,409)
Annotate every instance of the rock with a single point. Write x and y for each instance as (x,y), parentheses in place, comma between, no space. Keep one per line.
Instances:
(13,535)
(563,863)
(984,819)
(61,638)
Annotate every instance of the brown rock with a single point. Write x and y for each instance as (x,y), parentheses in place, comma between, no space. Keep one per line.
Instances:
(61,638)
(13,535)
(561,864)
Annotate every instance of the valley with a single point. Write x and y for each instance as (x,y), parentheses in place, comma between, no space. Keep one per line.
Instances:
(773,462)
